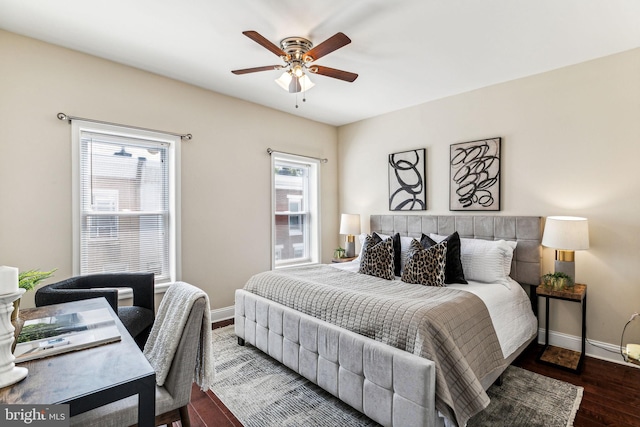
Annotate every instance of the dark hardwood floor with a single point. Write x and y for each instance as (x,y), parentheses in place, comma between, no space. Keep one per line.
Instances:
(611,393)
(611,390)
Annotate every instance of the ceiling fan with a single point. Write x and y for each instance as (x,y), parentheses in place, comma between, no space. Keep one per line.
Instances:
(298,54)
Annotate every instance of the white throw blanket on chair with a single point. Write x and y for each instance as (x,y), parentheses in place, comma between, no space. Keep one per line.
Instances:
(172,316)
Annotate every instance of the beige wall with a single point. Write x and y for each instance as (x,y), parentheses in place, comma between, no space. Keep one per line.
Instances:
(225,168)
(571,146)
(571,138)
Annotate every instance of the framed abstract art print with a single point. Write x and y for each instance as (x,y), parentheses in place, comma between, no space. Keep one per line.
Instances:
(475,175)
(407,186)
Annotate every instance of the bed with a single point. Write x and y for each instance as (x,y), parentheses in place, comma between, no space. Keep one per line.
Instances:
(379,345)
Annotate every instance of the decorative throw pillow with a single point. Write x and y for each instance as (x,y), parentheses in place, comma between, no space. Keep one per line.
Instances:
(377,258)
(426,266)
(397,259)
(454,273)
(373,238)
(486,260)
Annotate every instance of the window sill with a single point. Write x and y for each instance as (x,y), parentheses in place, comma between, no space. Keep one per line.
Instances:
(301,264)
(127,293)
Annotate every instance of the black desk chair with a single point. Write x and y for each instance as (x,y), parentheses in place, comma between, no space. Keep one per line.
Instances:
(137,318)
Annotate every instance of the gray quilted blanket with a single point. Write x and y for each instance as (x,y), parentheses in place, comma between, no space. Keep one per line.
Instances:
(448,326)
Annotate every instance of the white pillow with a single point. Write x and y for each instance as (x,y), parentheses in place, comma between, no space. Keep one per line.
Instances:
(405,245)
(437,237)
(509,256)
(361,238)
(486,261)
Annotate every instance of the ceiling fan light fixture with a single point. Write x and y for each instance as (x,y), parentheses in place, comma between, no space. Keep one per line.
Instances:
(284,80)
(293,84)
(297,70)
(306,83)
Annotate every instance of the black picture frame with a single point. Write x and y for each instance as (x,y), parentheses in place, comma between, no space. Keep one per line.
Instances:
(407,180)
(475,175)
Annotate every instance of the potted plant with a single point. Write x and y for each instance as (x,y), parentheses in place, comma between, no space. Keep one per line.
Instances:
(338,253)
(28,280)
(557,281)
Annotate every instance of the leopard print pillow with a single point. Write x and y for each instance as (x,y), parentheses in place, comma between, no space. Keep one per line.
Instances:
(425,266)
(377,258)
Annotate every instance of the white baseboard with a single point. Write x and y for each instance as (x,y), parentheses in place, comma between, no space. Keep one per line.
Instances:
(223,313)
(596,349)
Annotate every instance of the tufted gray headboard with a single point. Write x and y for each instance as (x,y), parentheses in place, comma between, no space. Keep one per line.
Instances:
(526,230)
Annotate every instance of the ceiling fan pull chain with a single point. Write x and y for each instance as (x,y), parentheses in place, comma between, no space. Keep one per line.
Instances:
(304,94)
(296,99)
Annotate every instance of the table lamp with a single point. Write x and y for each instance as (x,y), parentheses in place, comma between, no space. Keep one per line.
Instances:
(350,225)
(566,234)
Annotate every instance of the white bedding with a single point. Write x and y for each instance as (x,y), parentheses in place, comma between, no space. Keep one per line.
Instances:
(510,309)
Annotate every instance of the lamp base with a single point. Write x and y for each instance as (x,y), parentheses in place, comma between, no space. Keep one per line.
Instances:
(566,267)
(350,249)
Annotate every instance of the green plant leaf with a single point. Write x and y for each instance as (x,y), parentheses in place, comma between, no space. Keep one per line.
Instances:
(30,279)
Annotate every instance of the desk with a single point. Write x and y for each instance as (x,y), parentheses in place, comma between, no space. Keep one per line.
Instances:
(90,378)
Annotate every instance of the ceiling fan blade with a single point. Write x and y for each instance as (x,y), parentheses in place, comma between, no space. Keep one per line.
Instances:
(256,69)
(332,72)
(329,45)
(256,37)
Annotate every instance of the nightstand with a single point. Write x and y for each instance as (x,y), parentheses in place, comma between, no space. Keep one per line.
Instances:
(564,358)
(345,259)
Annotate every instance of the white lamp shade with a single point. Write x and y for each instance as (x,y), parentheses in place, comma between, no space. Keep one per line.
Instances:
(566,233)
(350,224)
(291,85)
(305,83)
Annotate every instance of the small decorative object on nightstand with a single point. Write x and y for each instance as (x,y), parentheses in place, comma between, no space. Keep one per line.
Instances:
(557,281)
(567,359)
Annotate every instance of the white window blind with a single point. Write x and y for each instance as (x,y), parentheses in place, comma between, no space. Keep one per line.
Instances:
(126,204)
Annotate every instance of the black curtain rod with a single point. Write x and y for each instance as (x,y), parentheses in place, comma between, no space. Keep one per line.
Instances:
(269,150)
(63,116)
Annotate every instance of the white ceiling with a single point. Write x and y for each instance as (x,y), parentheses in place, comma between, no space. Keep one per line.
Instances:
(406,52)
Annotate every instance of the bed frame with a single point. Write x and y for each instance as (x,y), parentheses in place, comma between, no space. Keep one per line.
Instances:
(390,386)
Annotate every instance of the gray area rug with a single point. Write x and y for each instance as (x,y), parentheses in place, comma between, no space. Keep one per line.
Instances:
(260,392)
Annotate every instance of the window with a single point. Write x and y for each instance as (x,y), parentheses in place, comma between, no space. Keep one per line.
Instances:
(295,202)
(295,221)
(125,203)
(104,226)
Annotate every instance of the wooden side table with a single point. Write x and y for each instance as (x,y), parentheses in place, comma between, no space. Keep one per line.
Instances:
(345,259)
(564,358)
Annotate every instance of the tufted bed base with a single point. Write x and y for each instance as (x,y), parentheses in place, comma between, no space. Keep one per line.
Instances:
(390,386)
